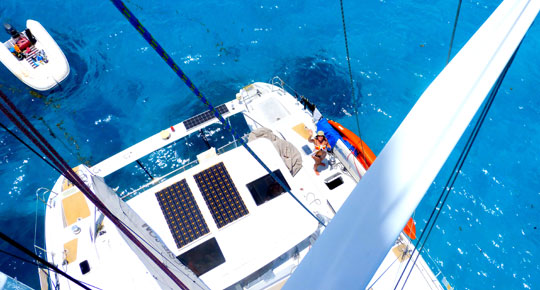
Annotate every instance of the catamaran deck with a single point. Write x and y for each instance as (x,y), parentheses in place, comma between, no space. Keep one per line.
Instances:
(249,242)
(223,217)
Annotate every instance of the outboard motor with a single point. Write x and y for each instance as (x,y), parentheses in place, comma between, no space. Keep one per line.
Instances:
(30,36)
(11,30)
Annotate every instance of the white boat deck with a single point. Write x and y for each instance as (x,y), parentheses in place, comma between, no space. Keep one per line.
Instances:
(252,241)
(249,243)
(104,253)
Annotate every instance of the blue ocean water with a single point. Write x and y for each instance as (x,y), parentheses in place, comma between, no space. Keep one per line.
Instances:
(119,92)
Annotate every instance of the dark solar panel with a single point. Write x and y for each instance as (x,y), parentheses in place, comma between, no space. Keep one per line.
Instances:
(181,213)
(220,194)
(203,117)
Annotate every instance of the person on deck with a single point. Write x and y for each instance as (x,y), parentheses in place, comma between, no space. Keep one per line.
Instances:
(321,145)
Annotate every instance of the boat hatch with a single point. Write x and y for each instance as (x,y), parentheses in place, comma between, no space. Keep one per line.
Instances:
(266,188)
(273,110)
(182,214)
(334,181)
(203,257)
(221,195)
(74,208)
(85,267)
(70,251)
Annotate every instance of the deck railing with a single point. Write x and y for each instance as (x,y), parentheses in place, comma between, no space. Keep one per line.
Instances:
(157,180)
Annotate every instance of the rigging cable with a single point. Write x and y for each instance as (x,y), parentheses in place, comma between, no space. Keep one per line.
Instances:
(355,98)
(39,265)
(69,174)
(444,188)
(41,260)
(7,113)
(453,32)
(28,146)
(457,169)
(168,59)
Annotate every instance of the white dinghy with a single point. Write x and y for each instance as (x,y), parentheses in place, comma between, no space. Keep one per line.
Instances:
(34,57)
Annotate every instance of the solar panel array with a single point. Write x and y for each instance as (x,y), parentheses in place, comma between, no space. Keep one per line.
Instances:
(182,214)
(220,194)
(203,117)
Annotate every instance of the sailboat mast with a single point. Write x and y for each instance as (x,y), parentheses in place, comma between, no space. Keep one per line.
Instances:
(349,252)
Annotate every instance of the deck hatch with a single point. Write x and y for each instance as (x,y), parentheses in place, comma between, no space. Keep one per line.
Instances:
(220,195)
(182,214)
(203,117)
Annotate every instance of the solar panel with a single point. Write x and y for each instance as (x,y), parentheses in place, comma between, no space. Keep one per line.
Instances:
(203,117)
(181,213)
(220,194)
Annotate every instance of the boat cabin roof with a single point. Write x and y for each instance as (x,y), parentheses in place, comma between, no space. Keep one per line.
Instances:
(253,234)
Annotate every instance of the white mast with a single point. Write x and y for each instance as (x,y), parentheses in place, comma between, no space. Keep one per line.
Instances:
(152,241)
(356,241)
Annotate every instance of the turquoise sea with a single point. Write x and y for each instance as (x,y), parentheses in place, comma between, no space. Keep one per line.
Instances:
(119,92)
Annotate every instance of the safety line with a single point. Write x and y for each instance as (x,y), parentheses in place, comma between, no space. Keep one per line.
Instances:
(41,260)
(453,32)
(69,174)
(355,99)
(28,146)
(457,168)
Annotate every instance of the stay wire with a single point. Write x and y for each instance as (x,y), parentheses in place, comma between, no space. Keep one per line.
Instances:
(382,274)
(39,265)
(35,223)
(41,260)
(29,147)
(453,32)
(119,4)
(20,258)
(69,174)
(355,98)
(457,168)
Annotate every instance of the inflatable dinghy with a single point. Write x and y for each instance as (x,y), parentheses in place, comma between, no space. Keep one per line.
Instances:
(34,57)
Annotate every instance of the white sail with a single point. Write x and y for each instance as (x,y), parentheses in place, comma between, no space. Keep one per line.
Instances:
(356,241)
(149,238)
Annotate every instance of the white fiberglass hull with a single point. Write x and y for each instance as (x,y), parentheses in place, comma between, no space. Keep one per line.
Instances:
(46,75)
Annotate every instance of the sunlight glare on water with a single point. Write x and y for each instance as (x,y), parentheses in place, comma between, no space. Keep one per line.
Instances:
(120,92)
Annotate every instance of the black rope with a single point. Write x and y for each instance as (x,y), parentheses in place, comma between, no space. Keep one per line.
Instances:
(453,32)
(445,193)
(355,99)
(69,174)
(20,258)
(382,274)
(38,265)
(30,148)
(143,168)
(41,260)
(172,64)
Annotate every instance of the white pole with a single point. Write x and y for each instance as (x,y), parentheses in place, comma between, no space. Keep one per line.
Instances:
(356,241)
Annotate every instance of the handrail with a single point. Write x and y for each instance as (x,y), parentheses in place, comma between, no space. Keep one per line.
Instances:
(42,191)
